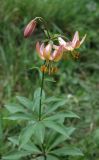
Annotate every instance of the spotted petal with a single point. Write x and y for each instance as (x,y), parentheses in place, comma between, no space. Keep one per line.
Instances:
(57,54)
(47,51)
(75,40)
(61,41)
(40,50)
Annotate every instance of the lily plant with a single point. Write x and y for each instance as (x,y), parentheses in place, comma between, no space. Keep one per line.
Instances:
(44,134)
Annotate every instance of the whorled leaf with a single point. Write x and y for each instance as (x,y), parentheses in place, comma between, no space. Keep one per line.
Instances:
(67,150)
(56,127)
(40,132)
(26,134)
(16,155)
(25,102)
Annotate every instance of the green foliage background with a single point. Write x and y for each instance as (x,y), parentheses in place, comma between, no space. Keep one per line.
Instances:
(77,80)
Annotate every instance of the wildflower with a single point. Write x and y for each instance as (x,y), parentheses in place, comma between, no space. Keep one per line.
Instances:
(29,28)
(47,53)
(71,45)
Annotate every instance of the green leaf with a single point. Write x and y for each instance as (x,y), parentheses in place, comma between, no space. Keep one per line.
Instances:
(50,80)
(40,158)
(19,116)
(50,157)
(58,139)
(54,107)
(51,99)
(15,155)
(31,148)
(57,127)
(96,136)
(25,102)
(37,93)
(14,108)
(1,131)
(26,134)
(58,116)
(28,147)
(14,140)
(40,132)
(38,69)
(70,151)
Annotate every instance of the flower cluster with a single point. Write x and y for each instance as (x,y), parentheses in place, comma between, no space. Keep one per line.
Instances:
(53,53)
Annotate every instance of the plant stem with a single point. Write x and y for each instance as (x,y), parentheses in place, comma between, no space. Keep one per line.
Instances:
(40,107)
(45,26)
(45,157)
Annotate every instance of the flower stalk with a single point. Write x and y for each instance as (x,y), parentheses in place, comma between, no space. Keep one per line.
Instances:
(40,104)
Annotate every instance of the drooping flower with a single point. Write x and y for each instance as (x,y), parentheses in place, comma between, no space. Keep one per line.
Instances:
(71,45)
(29,28)
(47,53)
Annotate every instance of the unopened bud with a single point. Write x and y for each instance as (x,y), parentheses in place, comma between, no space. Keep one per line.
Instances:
(44,69)
(76,56)
(54,70)
(29,28)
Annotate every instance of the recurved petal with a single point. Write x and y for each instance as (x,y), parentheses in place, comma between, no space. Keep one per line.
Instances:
(57,54)
(55,47)
(47,51)
(61,41)
(69,46)
(40,50)
(75,39)
(48,48)
(83,39)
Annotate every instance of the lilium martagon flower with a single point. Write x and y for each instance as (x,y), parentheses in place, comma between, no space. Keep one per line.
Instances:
(71,45)
(49,55)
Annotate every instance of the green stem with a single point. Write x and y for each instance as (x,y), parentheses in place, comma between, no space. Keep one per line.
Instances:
(43,149)
(45,157)
(40,106)
(46,27)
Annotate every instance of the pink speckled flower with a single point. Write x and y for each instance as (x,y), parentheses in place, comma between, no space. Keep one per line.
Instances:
(71,45)
(29,28)
(47,53)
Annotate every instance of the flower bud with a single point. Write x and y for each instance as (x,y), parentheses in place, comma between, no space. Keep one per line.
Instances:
(44,69)
(29,28)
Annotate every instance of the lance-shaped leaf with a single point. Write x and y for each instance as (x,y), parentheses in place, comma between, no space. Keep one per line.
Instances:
(30,147)
(40,132)
(54,107)
(56,139)
(14,108)
(16,155)
(68,150)
(25,102)
(26,134)
(19,117)
(56,126)
(51,157)
(58,116)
